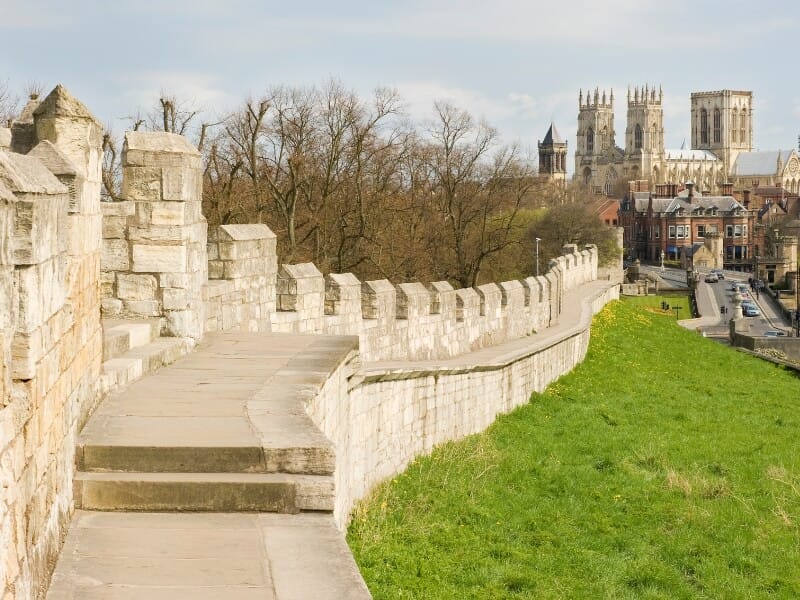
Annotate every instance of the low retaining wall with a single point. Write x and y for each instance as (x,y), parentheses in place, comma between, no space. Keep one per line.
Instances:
(380,417)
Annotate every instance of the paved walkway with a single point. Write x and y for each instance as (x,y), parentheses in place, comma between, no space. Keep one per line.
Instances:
(221,430)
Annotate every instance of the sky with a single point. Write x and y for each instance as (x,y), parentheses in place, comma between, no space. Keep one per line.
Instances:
(518,64)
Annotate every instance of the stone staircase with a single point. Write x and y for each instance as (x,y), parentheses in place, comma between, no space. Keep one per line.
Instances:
(134,348)
(207,479)
(205,435)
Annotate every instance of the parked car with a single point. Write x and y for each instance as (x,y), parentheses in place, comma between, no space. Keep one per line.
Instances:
(775,333)
(711,278)
(718,273)
(751,311)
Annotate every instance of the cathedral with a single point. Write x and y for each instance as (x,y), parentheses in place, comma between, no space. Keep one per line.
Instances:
(721,144)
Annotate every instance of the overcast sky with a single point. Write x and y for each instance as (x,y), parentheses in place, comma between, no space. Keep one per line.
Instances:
(517,63)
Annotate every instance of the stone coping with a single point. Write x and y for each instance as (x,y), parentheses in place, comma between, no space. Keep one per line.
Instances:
(576,317)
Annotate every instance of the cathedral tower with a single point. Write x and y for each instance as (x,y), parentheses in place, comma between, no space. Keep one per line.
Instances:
(644,135)
(595,137)
(722,122)
(553,156)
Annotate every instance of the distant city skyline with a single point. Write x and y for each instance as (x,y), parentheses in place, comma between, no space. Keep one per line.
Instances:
(519,65)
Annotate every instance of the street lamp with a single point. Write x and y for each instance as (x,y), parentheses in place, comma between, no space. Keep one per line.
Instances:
(537,255)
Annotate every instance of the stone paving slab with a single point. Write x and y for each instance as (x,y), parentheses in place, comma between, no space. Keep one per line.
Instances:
(202,401)
(126,556)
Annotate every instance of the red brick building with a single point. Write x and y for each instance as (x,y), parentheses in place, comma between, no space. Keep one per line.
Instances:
(675,221)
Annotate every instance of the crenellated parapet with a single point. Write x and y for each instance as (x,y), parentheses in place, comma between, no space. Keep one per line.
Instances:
(404,321)
(155,259)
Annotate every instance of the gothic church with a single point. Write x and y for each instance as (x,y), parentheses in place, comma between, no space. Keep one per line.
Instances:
(721,144)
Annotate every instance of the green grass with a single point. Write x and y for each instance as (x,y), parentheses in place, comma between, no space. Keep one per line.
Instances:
(654,302)
(664,466)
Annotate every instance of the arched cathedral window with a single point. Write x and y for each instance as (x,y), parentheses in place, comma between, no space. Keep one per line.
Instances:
(637,137)
(734,131)
(590,140)
(704,126)
(717,123)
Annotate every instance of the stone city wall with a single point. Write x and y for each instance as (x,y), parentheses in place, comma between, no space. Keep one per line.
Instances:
(50,336)
(409,321)
(149,256)
(380,417)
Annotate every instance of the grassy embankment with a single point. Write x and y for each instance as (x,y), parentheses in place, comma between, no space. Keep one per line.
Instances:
(664,466)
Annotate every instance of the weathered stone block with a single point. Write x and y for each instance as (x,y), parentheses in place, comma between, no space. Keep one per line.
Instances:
(136,287)
(114,255)
(153,259)
(141,183)
(180,184)
(443,297)
(117,209)
(378,299)
(413,300)
(158,233)
(175,299)
(167,213)
(111,306)
(342,294)
(114,227)
(216,269)
(174,280)
(146,308)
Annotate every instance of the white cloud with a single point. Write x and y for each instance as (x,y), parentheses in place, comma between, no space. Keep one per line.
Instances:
(30,14)
(145,87)
(419,97)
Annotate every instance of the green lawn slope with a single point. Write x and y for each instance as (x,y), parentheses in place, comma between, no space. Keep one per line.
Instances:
(664,466)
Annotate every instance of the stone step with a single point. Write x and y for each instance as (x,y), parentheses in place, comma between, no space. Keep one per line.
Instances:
(113,457)
(205,556)
(119,372)
(204,492)
(120,336)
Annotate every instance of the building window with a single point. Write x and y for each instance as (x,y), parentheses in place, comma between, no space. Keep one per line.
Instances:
(637,137)
(729,231)
(743,126)
(737,231)
(716,126)
(590,140)
(744,231)
(672,232)
(704,126)
(734,131)
(701,231)
(657,232)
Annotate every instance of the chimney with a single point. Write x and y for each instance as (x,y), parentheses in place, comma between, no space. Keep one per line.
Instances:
(690,187)
(746,198)
(727,189)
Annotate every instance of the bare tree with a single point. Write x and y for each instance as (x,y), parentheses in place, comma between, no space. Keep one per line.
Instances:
(9,104)
(478,189)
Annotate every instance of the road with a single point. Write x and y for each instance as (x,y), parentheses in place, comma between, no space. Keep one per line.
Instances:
(771,317)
